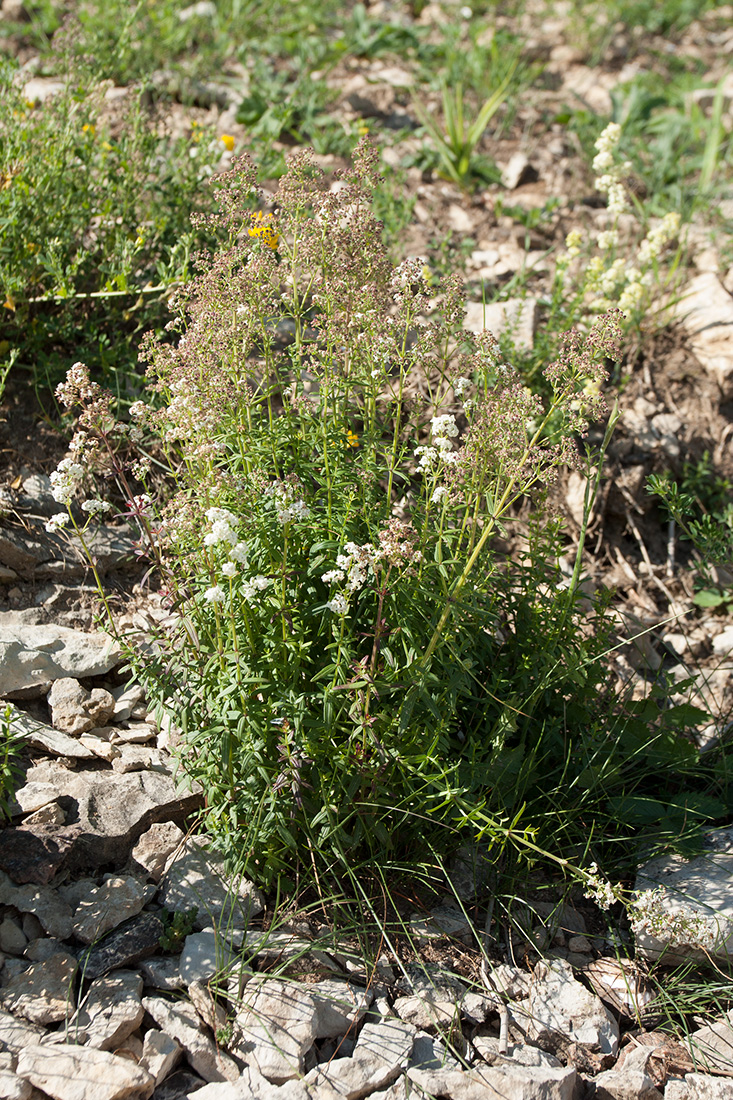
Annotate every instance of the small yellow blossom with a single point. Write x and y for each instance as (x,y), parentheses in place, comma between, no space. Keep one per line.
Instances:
(30,103)
(352,439)
(363,130)
(6,178)
(261,227)
(107,147)
(9,303)
(88,128)
(227,141)
(31,247)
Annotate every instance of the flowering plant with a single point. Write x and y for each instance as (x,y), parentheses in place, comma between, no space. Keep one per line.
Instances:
(357,662)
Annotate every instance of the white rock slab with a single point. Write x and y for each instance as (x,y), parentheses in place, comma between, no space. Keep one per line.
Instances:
(110,1012)
(197,878)
(339,1005)
(711,1047)
(107,906)
(381,1054)
(44,993)
(705,311)
(697,902)
(156,846)
(181,1022)
(698,1086)
(508,1082)
(32,657)
(15,1035)
(277,1025)
(516,316)
(161,1054)
(561,1011)
(41,736)
(205,954)
(68,1072)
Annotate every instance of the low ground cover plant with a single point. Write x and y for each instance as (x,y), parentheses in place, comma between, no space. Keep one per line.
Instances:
(359,668)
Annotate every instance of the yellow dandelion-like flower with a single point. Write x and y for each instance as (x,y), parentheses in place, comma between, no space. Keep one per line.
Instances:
(32,247)
(262,228)
(362,130)
(88,128)
(227,141)
(352,439)
(9,303)
(30,103)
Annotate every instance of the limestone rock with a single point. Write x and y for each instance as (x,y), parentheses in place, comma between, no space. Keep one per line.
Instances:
(705,311)
(516,317)
(711,1047)
(339,1007)
(110,1011)
(15,1035)
(68,1072)
(630,1082)
(162,973)
(13,1087)
(46,905)
(32,657)
(180,1021)
(563,1012)
(76,710)
(698,1086)
(107,906)
(278,1025)
(510,1082)
(44,993)
(161,1054)
(197,878)
(156,846)
(697,897)
(44,737)
(205,954)
(381,1054)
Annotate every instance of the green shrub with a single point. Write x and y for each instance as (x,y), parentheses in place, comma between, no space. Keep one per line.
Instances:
(358,667)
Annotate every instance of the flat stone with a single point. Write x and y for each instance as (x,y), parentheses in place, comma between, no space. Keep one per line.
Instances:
(427,1010)
(381,1054)
(75,710)
(516,317)
(13,1087)
(181,1022)
(202,999)
(123,947)
(46,905)
(127,697)
(68,1072)
(32,657)
(277,1022)
(156,846)
(705,311)
(161,1054)
(711,1047)
(629,1082)
(621,985)
(47,816)
(162,973)
(107,906)
(508,1082)
(111,813)
(698,1086)
(698,897)
(34,796)
(110,1012)
(204,955)
(15,1035)
(12,938)
(340,1006)
(44,993)
(35,855)
(197,879)
(138,758)
(563,1012)
(41,736)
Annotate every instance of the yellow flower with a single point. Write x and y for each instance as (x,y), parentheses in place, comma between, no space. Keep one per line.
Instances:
(261,227)
(32,247)
(352,439)
(227,141)
(30,103)
(363,130)
(88,128)
(9,303)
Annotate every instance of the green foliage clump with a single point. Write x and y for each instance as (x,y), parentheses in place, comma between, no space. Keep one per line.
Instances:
(358,667)
(11,746)
(176,927)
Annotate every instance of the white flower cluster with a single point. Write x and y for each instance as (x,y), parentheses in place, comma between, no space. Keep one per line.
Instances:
(609,171)
(288,507)
(338,604)
(95,507)
(215,594)
(439,495)
(222,523)
(441,450)
(460,386)
(65,479)
(598,889)
(57,521)
(650,916)
(655,240)
(353,566)
(252,587)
